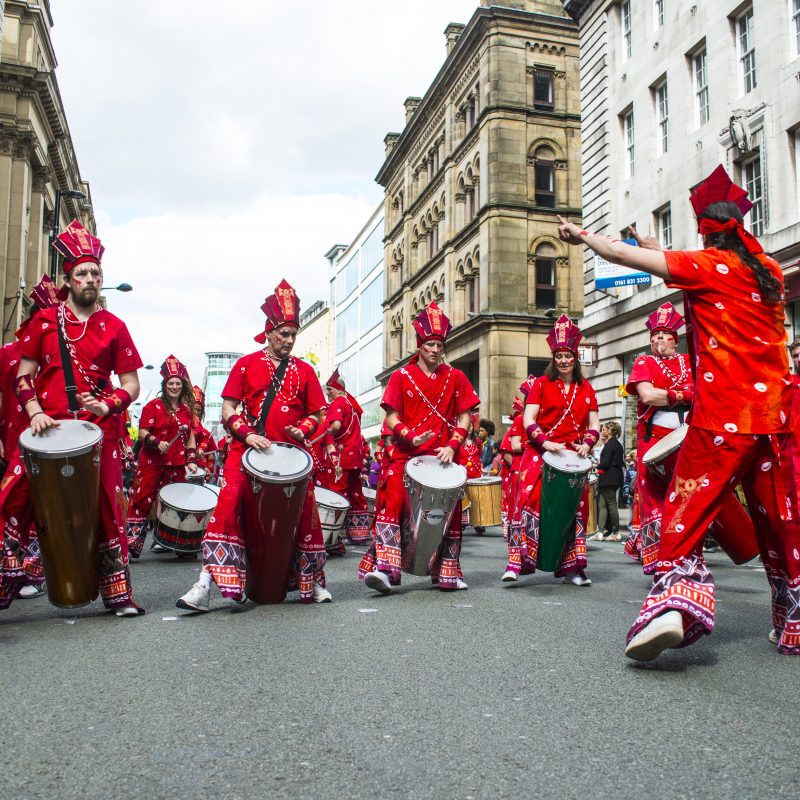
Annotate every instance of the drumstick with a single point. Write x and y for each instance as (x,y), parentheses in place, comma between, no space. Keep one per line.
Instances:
(181,429)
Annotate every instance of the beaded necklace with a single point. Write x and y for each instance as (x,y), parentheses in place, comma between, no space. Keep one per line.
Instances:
(94,388)
(677,380)
(292,376)
(433,407)
(569,396)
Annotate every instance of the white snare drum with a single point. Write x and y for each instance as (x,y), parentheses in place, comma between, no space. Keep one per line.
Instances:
(662,457)
(434,490)
(333,508)
(182,514)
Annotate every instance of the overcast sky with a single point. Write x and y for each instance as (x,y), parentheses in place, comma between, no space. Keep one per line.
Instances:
(231,144)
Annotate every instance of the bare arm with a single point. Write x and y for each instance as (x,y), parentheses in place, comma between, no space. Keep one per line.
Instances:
(40,421)
(650,395)
(446,454)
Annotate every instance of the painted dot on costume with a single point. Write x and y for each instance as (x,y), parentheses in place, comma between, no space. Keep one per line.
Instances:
(708,376)
(718,440)
(113,454)
(695,265)
(535,459)
(284,409)
(766,466)
(679,528)
(760,387)
(13,521)
(706,482)
(756,297)
(712,342)
(672,497)
(796,554)
(719,306)
(783,416)
(723,269)
(17,469)
(762,510)
(731,427)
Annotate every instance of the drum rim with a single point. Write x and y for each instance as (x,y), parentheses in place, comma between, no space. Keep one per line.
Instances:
(338,494)
(487,480)
(648,459)
(546,456)
(167,503)
(78,451)
(433,458)
(279,479)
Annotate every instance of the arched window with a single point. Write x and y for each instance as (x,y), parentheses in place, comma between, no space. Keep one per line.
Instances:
(545,276)
(545,178)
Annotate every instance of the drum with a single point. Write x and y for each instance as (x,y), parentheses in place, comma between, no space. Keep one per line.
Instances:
(434,490)
(591,521)
(182,514)
(485,496)
(661,458)
(370,495)
(198,477)
(214,488)
(564,475)
(277,479)
(333,508)
(63,467)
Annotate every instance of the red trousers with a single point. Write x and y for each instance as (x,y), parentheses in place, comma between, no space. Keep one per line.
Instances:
(146,486)
(710,464)
(224,549)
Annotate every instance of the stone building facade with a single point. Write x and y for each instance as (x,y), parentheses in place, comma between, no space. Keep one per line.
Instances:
(668,91)
(37,156)
(473,184)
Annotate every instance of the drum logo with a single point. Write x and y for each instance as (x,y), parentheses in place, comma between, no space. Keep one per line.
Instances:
(289,490)
(68,470)
(433,516)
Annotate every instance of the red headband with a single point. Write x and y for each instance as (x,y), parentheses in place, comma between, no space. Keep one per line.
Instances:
(750,242)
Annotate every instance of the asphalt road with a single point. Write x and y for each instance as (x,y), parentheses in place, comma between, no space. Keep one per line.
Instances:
(497,692)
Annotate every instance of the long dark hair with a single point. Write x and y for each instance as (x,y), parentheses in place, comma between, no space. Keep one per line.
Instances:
(186,397)
(551,372)
(769,285)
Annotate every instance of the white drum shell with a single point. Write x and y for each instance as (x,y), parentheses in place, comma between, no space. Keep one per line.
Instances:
(333,508)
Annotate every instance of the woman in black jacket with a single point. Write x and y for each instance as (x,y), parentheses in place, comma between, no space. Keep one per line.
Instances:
(611,469)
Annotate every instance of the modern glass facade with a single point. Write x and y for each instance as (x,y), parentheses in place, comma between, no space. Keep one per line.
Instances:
(218,367)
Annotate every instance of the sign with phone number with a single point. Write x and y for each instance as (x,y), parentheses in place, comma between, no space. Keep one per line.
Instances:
(611,276)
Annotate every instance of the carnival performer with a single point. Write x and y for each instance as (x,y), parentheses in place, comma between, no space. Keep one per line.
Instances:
(98,344)
(168,449)
(511,449)
(469,456)
(292,417)
(560,413)
(794,415)
(733,298)
(204,441)
(428,405)
(663,385)
(21,571)
(343,449)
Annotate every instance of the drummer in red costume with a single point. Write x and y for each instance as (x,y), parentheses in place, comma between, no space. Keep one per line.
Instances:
(560,413)
(794,415)
(733,297)
(168,449)
(21,571)
(204,441)
(428,406)
(512,450)
(343,448)
(469,456)
(99,345)
(293,417)
(663,384)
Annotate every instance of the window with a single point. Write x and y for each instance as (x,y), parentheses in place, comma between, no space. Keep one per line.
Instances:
(753,182)
(371,301)
(373,413)
(370,363)
(747,54)
(626,30)
(796,26)
(662,117)
(372,250)
(543,89)
(658,13)
(346,326)
(545,277)
(627,137)
(701,85)
(664,227)
(545,178)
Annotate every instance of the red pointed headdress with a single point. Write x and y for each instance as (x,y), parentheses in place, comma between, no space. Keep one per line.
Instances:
(431,323)
(525,386)
(665,318)
(565,335)
(335,380)
(199,396)
(517,407)
(172,368)
(281,308)
(77,245)
(718,188)
(45,294)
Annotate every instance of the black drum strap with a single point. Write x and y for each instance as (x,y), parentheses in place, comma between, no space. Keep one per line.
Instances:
(274,386)
(69,373)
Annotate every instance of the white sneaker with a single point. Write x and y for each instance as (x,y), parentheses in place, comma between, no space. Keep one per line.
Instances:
(127,611)
(509,576)
(578,579)
(461,584)
(379,582)
(158,548)
(595,537)
(773,636)
(320,595)
(666,630)
(26,592)
(196,599)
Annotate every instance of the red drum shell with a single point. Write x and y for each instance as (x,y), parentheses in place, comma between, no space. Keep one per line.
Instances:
(734,531)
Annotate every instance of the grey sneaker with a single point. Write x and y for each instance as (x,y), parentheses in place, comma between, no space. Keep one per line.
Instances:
(665,631)
(320,594)
(196,599)
(379,582)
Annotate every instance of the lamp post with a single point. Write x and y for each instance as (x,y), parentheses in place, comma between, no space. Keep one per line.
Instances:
(123,287)
(74,194)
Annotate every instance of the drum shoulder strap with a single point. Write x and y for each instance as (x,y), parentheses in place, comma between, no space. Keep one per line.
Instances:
(69,372)
(274,386)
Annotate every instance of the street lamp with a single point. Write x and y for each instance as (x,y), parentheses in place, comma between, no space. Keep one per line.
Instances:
(73,194)
(123,287)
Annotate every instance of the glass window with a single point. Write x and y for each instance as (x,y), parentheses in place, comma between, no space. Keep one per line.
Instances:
(346,325)
(373,413)
(543,89)
(627,135)
(747,53)
(371,305)
(545,278)
(626,31)
(372,250)
(662,116)
(545,183)
(701,85)
(796,26)
(370,359)
(753,182)
(658,13)
(664,223)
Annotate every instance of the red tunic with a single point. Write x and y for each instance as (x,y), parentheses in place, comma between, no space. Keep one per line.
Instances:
(348,437)
(429,402)
(469,456)
(563,413)
(13,418)
(104,347)
(664,373)
(164,424)
(742,380)
(300,393)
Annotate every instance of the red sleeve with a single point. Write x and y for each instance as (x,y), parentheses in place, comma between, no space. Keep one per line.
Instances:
(393,394)
(3,363)
(639,373)
(234,386)
(336,411)
(151,417)
(688,269)
(31,344)
(126,357)
(592,396)
(466,398)
(315,399)
(536,394)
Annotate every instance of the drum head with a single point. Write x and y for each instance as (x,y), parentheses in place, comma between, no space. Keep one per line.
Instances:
(279,463)
(72,437)
(190,497)
(429,471)
(663,447)
(214,488)
(331,499)
(567,461)
(488,479)
(369,493)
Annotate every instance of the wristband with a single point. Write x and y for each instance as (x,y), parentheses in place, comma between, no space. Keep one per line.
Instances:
(308,426)
(402,434)
(191,455)
(35,414)
(24,389)
(151,442)
(674,398)
(536,436)
(237,426)
(118,401)
(591,437)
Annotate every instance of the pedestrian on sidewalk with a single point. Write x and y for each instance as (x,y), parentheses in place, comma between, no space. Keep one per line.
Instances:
(609,482)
